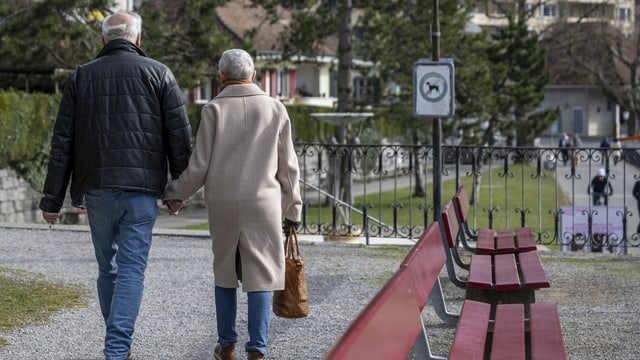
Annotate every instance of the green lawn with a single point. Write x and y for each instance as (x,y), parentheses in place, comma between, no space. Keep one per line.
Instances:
(537,196)
(28,298)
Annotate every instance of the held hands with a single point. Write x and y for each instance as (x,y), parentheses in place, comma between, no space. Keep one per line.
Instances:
(286,226)
(174,206)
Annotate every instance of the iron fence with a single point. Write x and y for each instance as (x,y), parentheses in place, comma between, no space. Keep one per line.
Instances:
(386,191)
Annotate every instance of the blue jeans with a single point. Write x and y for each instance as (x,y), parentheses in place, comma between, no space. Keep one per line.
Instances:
(121,223)
(259,314)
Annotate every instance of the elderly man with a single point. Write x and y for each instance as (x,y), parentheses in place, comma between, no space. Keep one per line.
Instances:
(244,158)
(121,123)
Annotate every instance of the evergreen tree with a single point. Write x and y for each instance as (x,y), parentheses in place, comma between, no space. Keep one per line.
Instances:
(41,36)
(520,75)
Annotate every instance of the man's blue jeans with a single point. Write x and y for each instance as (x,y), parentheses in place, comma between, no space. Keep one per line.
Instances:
(259,314)
(121,223)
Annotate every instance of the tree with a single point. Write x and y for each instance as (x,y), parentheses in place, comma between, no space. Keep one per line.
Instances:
(599,54)
(520,75)
(41,36)
(186,36)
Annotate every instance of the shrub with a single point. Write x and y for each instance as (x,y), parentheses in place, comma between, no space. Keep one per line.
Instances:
(26,124)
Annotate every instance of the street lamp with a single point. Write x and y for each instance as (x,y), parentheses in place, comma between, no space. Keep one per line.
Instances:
(625,117)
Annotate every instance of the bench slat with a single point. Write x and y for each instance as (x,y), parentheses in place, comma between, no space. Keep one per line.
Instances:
(480,273)
(505,241)
(506,272)
(508,342)
(471,333)
(485,244)
(526,241)
(546,332)
(533,274)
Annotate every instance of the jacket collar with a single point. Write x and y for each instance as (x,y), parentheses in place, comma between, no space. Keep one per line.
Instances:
(119,45)
(241,90)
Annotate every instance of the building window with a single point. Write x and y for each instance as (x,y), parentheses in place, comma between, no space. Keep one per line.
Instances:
(623,14)
(202,93)
(365,89)
(548,10)
(283,83)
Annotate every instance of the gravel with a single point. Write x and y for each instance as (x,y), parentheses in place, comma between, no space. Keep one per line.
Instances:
(597,296)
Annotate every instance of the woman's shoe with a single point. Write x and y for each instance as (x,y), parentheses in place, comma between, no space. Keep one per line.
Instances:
(225,353)
(251,355)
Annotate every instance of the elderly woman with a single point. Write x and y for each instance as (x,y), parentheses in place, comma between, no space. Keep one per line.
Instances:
(244,158)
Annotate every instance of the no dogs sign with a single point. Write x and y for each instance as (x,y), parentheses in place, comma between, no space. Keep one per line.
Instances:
(433,88)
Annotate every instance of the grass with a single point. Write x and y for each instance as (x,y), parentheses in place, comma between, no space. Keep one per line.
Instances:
(27,298)
(521,191)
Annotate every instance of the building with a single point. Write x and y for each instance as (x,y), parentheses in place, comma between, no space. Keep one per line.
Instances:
(584,107)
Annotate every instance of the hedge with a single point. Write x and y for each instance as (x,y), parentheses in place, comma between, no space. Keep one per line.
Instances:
(26,125)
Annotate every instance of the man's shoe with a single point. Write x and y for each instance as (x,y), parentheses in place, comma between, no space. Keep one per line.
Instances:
(129,356)
(225,353)
(252,355)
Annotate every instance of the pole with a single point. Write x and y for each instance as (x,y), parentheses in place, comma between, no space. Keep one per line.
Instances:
(437,123)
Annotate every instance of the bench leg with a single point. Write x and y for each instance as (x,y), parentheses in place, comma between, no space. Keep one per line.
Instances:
(458,260)
(436,298)
(421,349)
(465,236)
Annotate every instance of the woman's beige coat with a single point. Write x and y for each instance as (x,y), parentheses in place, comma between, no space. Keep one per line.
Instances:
(244,158)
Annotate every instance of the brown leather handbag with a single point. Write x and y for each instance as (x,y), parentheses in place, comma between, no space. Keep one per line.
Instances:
(293,301)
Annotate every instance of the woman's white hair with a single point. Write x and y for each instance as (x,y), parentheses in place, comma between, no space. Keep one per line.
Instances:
(236,64)
(122,25)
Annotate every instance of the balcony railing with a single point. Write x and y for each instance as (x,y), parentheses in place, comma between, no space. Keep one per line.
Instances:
(386,191)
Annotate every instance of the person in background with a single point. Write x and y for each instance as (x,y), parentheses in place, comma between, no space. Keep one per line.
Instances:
(600,188)
(636,194)
(245,159)
(577,145)
(564,144)
(121,124)
(617,152)
(605,146)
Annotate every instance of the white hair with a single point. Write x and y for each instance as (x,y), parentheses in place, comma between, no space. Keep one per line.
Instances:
(236,64)
(122,25)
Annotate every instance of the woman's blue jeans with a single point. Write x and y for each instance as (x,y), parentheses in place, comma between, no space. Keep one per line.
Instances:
(121,223)
(259,314)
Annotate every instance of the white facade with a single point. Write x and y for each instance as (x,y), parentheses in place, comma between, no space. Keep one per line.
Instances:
(620,13)
(584,110)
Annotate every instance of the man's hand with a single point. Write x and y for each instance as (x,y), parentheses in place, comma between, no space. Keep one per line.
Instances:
(174,205)
(50,218)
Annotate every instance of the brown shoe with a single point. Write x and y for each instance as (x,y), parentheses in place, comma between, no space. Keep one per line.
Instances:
(252,355)
(225,353)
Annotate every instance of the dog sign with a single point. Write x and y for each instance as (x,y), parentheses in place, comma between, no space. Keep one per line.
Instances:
(433,88)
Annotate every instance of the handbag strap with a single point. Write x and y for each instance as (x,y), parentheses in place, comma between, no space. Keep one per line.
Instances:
(292,248)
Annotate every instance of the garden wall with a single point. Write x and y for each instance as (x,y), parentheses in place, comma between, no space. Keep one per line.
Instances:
(18,200)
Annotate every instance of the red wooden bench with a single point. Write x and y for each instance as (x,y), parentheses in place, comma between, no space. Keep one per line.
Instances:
(489,241)
(498,278)
(391,325)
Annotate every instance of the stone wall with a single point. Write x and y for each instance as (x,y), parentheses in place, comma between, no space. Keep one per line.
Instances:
(18,200)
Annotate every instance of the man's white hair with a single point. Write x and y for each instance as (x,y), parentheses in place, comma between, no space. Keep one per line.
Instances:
(236,64)
(122,25)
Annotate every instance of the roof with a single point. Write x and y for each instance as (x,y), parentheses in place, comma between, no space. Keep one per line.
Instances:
(244,20)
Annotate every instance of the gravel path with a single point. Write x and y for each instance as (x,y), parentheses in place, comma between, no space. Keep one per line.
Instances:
(598,297)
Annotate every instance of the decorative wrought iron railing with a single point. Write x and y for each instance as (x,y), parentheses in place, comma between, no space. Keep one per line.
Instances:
(386,191)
